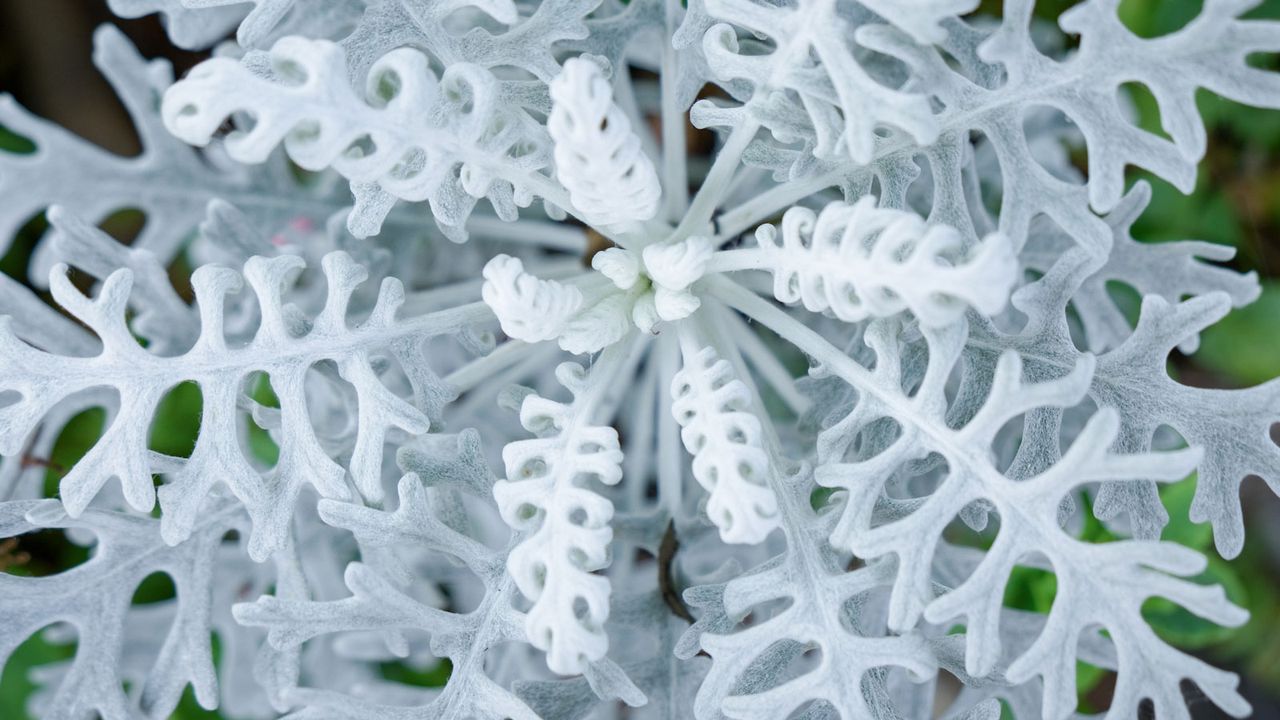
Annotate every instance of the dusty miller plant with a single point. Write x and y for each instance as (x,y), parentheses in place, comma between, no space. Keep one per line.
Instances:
(526,350)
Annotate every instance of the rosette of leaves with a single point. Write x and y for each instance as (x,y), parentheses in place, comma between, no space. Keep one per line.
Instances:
(922,246)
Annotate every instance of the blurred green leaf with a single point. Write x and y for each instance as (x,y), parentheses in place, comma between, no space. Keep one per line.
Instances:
(177,421)
(15,685)
(1182,628)
(12,142)
(1205,215)
(1245,345)
(73,442)
(435,676)
(260,442)
(1177,499)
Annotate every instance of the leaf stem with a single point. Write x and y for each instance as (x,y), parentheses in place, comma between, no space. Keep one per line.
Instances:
(737,259)
(717,183)
(477,371)
(765,361)
(675,176)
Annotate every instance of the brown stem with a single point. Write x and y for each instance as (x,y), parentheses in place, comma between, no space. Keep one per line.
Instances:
(666,583)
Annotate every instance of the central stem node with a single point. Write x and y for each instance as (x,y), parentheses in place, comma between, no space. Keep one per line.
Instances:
(657,278)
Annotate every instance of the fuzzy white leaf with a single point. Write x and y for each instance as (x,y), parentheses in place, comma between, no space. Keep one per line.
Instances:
(42,379)
(598,158)
(859,261)
(842,103)
(448,141)
(565,525)
(529,308)
(725,440)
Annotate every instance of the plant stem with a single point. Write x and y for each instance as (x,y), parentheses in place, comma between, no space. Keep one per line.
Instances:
(718,181)
(765,361)
(675,177)
(481,369)
(737,259)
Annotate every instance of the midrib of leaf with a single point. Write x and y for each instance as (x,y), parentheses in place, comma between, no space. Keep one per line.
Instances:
(739,219)
(814,572)
(976,466)
(203,366)
(487,622)
(127,565)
